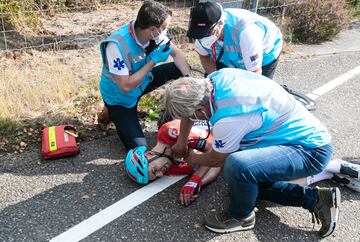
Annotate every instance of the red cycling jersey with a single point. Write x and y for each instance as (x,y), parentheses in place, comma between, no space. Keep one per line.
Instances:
(169,133)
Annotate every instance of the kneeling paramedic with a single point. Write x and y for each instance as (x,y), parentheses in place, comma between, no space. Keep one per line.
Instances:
(130,57)
(263,137)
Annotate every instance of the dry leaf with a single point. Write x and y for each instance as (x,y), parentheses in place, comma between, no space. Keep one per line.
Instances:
(85,197)
(196,226)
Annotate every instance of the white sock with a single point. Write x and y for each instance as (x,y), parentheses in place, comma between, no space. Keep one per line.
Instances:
(333,166)
(319,177)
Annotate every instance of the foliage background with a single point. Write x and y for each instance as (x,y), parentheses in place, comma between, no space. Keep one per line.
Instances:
(50,62)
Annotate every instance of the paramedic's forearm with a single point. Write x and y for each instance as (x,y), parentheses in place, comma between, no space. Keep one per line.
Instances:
(211,159)
(180,61)
(180,148)
(127,83)
(185,127)
(208,64)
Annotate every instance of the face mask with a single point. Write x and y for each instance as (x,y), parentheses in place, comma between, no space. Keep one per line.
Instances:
(207,42)
(196,117)
(205,115)
(207,123)
(160,37)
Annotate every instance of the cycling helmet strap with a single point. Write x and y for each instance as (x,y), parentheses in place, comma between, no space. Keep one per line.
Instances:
(159,155)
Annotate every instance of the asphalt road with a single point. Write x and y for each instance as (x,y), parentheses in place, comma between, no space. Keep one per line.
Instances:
(40,200)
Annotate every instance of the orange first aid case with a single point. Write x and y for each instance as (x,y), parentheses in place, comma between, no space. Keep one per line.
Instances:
(59,141)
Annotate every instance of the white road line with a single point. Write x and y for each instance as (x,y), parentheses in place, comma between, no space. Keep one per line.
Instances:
(114,211)
(119,208)
(334,83)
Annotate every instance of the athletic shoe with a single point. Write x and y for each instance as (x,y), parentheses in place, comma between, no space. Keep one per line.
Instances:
(350,169)
(349,182)
(327,210)
(223,223)
(104,119)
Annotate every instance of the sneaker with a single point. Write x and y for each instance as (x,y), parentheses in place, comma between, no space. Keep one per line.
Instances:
(223,223)
(347,181)
(104,119)
(350,169)
(327,210)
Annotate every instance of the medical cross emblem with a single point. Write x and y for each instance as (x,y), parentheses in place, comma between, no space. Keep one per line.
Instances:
(119,64)
(219,144)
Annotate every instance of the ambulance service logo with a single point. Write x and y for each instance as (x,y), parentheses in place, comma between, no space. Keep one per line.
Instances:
(119,64)
(219,143)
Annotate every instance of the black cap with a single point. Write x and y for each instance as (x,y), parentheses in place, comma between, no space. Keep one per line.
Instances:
(202,18)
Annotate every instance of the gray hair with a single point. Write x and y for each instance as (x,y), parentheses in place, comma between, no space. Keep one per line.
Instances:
(184,94)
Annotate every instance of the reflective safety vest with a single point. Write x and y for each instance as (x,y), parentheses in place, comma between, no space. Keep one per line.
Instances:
(236,21)
(284,119)
(134,58)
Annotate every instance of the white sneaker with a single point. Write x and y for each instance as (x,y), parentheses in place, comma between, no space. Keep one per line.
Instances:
(349,182)
(350,169)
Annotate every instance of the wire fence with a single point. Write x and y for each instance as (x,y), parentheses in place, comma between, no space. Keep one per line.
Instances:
(57,24)
(49,50)
(72,24)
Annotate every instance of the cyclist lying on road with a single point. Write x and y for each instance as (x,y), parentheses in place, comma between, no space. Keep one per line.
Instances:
(143,166)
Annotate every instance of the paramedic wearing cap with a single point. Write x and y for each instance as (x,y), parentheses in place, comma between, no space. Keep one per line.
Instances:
(130,57)
(235,38)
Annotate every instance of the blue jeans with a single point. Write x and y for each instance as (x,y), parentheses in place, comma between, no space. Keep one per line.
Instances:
(260,174)
(126,120)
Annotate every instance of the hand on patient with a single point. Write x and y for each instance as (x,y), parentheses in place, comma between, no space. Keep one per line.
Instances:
(180,149)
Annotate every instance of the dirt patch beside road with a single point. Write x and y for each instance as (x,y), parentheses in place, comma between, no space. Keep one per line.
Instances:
(57,82)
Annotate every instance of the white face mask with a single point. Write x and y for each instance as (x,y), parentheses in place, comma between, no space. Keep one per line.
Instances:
(207,42)
(160,37)
(196,117)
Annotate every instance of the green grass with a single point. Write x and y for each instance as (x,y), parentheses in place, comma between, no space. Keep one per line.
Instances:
(355,10)
(150,106)
(290,38)
(20,14)
(7,127)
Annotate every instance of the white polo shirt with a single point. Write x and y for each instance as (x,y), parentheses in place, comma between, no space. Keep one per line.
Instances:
(228,132)
(116,61)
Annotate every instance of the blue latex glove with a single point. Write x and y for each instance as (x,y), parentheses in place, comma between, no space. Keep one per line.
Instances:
(159,55)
